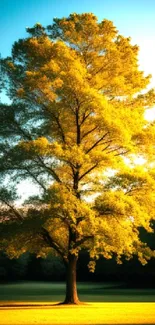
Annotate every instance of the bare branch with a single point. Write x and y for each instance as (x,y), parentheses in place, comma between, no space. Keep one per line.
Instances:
(122,153)
(89,132)
(16,213)
(113,149)
(85,116)
(60,128)
(97,142)
(88,171)
(49,169)
(36,180)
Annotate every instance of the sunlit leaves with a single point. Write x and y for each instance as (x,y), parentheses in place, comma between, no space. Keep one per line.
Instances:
(78,112)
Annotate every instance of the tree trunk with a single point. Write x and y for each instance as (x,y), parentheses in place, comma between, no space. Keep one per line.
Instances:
(71,288)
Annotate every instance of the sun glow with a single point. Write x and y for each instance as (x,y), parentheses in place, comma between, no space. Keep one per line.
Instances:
(150,114)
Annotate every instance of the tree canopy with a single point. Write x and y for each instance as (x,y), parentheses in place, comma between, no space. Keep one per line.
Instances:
(75,127)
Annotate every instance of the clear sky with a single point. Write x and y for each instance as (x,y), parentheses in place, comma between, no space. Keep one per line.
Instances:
(135,18)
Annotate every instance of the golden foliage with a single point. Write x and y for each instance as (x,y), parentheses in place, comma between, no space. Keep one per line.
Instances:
(83,79)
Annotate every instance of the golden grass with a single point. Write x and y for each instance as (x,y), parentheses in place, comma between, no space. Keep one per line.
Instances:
(92,313)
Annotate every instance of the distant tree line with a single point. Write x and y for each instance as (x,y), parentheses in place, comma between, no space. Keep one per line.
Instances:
(30,268)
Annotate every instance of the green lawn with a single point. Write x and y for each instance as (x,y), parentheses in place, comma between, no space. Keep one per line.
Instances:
(33,303)
(90,292)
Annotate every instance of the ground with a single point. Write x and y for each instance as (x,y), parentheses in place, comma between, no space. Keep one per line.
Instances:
(35,304)
(93,313)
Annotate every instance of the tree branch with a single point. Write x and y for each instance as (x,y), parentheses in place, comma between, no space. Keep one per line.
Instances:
(88,171)
(16,213)
(50,170)
(48,239)
(81,241)
(60,128)
(97,142)
(85,116)
(90,131)
(35,178)
(122,153)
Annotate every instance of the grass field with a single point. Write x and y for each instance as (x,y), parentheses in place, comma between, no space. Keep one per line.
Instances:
(93,313)
(35,303)
(90,292)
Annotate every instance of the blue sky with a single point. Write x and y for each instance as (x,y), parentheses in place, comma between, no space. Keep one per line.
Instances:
(133,18)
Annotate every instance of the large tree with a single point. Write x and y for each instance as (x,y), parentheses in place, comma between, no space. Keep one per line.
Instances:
(75,127)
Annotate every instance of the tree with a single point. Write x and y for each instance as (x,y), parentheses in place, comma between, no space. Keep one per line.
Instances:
(75,127)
